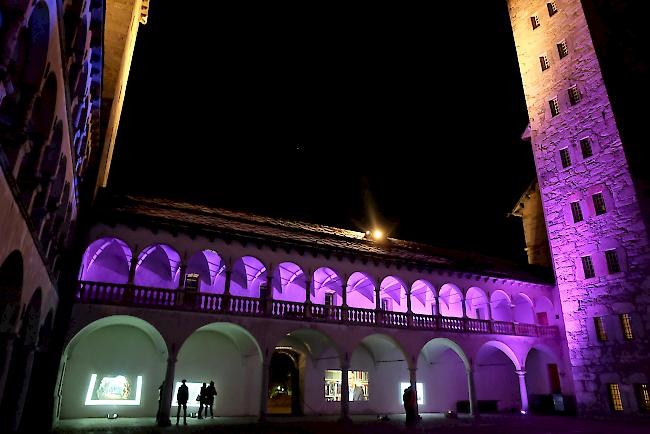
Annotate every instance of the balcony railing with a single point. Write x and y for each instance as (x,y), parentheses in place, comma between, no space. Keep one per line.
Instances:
(178,299)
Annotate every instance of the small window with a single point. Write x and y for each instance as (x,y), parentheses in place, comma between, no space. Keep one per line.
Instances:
(192,281)
(543,61)
(626,325)
(601,333)
(562,49)
(599,203)
(612,261)
(555,106)
(615,397)
(643,397)
(574,95)
(552,8)
(588,267)
(329,299)
(385,304)
(577,212)
(565,157)
(534,20)
(585,146)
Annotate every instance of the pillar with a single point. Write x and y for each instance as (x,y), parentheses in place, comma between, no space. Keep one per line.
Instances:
(25,375)
(436,301)
(226,289)
(463,304)
(409,313)
(264,392)
(473,402)
(181,274)
(307,298)
(132,267)
(414,385)
(345,391)
(6,349)
(523,391)
(344,298)
(267,297)
(378,305)
(167,392)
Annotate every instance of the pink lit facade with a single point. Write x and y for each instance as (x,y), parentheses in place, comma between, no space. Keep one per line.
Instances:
(596,231)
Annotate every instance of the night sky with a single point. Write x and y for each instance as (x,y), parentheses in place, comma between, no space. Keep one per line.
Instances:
(334,115)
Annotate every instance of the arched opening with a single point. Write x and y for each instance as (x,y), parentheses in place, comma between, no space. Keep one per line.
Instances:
(289,283)
(248,274)
(523,309)
(476,304)
(113,365)
(451,300)
(497,383)
(11,289)
(284,383)
(544,311)
(158,267)
(229,355)
(543,381)
(442,370)
(360,291)
(206,272)
(317,359)
(423,298)
(327,287)
(378,367)
(392,295)
(106,260)
(500,304)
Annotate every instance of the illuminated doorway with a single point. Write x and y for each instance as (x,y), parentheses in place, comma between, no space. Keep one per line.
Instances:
(284,383)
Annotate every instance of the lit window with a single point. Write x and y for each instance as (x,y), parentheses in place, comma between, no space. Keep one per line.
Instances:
(601,333)
(643,397)
(192,281)
(562,49)
(552,8)
(599,203)
(534,20)
(555,106)
(585,146)
(565,157)
(543,60)
(329,299)
(576,211)
(588,267)
(626,324)
(612,261)
(615,397)
(574,95)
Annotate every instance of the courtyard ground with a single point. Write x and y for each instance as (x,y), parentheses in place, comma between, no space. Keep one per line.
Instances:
(431,423)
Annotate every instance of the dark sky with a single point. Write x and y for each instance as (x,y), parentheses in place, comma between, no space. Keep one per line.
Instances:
(332,114)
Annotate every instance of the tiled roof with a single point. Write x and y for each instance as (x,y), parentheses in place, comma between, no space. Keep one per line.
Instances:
(182,216)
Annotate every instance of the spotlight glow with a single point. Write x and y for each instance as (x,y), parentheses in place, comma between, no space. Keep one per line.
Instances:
(377,234)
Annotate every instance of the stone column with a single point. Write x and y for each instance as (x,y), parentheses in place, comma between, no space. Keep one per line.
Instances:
(409,312)
(225,304)
(132,266)
(436,301)
(6,349)
(307,298)
(378,305)
(414,385)
(344,299)
(267,297)
(167,392)
(25,375)
(345,391)
(473,401)
(523,391)
(182,268)
(463,304)
(264,393)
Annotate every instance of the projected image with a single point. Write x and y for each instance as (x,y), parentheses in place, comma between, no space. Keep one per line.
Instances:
(194,391)
(114,390)
(420,391)
(357,385)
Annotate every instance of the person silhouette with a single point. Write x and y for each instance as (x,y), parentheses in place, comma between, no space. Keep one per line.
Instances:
(202,401)
(210,393)
(182,396)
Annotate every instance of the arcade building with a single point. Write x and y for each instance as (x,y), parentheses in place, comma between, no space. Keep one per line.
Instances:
(108,302)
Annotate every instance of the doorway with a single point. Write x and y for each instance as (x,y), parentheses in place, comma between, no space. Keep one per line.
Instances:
(284,383)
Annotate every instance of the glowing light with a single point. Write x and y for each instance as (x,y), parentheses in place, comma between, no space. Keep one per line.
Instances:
(194,389)
(419,389)
(377,234)
(523,412)
(116,389)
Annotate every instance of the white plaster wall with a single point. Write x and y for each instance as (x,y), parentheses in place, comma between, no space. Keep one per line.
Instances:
(496,379)
(444,380)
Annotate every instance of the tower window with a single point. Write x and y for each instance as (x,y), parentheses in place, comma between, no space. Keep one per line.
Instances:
(643,397)
(543,61)
(601,333)
(555,106)
(562,49)
(615,397)
(612,261)
(577,212)
(552,8)
(626,324)
(574,95)
(585,146)
(588,267)
(534,20)
(565,157)
(599,203)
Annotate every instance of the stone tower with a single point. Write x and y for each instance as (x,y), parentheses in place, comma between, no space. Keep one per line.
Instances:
(592,203)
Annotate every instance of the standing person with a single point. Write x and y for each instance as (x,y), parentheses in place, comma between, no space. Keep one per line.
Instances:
(408,397)
(160,392)
(182,396)
(202,401)
(210,393)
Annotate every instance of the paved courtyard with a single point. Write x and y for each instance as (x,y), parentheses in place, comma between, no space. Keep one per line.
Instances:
(431,423)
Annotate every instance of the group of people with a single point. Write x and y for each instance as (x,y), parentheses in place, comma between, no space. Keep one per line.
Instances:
(205,399)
